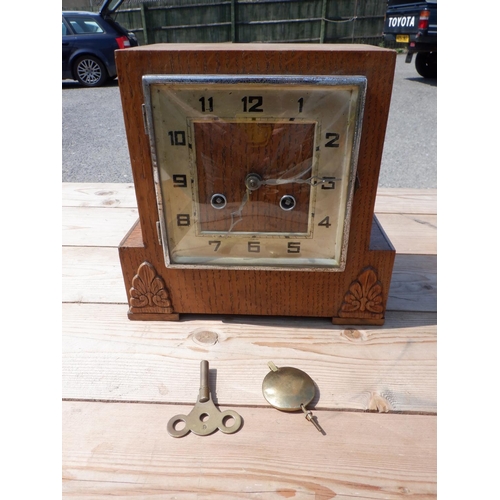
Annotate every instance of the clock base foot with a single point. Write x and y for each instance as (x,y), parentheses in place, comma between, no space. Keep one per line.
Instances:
(152,316)
(358,321)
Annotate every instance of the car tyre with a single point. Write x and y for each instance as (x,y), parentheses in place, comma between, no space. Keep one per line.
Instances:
(426,64)
(90,71)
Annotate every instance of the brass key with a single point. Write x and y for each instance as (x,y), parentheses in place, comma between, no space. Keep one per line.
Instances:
(204,418)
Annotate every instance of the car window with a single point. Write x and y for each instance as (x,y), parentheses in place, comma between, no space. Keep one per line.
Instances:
(64,29)
(113,5)
(83,25)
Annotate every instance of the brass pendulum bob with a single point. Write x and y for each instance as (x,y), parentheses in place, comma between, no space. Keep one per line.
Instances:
(290,389)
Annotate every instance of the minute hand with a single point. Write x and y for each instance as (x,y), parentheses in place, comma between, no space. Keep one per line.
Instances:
(312,181)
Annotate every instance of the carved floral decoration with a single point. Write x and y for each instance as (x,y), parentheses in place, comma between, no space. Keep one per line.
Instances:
(149,293)
(364,298)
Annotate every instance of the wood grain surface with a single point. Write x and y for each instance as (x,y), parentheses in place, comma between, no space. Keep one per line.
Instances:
(123,451)
(122,380)
(216,161)
(106,357)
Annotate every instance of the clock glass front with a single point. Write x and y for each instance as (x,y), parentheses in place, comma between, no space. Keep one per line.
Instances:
(254,171)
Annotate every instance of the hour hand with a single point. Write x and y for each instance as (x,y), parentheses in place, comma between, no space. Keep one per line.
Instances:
(252,183)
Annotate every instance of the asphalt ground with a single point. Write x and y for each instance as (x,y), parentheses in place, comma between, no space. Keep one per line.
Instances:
(94,144)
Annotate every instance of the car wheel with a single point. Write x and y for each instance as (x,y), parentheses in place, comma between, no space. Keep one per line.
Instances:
(426,64)
(90,71)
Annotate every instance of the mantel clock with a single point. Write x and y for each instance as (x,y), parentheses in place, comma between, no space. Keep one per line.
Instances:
(255,169)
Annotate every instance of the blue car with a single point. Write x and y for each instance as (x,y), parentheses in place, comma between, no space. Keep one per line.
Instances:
(89,41)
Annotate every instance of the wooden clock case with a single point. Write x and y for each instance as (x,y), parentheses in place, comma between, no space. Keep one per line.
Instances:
(358,295)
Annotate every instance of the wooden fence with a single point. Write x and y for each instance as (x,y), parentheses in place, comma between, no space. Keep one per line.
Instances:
(299,21)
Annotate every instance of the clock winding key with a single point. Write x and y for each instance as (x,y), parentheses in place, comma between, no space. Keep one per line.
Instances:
(290,389)
(205,418)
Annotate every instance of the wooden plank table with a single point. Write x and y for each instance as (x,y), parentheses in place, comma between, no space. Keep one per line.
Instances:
(123,380)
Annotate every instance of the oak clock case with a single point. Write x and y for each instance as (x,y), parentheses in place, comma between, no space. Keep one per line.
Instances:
(254,172)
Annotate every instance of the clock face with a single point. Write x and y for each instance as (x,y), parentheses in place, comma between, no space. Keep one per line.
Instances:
(254,171)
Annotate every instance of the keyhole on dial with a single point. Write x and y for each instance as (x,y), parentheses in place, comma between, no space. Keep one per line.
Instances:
(287,202)
(218,201)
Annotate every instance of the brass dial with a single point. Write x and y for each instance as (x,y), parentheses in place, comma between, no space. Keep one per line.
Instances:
(254,171)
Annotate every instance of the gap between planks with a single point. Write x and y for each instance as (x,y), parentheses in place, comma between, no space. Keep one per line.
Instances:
(223,407)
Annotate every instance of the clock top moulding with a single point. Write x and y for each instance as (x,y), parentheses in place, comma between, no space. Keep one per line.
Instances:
(262,291)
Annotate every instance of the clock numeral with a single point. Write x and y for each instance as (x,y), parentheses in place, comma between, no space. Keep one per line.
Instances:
(257,106)
(180,181)
(330,184)
(301,104)
(332,143)
(294,247)
(183,220)
(254,246)
(216,243)
(325,222)
(204,102)
(177,138)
